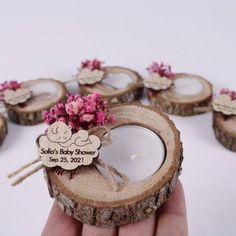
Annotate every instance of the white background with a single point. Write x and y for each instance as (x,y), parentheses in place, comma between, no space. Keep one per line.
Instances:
(50,38)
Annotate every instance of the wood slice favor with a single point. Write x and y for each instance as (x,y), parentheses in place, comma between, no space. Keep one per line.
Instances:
(113,75)
(224,118)
(45,94)
(225,130)
(3,129)
(88,197)
(182,98)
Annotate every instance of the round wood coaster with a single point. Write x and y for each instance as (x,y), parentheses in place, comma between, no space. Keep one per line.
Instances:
(30,113)
(89,198)
(225,130)
(183,105)
(3,129)
(131,92)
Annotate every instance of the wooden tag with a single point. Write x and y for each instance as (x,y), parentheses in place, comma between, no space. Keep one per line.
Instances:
(225,104)
(157,82)
(62,148)
(18,96)
(87,76)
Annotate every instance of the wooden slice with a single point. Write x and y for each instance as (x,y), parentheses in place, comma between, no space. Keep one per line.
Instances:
(183,105)
(90,199)
(131,92)
(49,93)
(3,129)
(225,129)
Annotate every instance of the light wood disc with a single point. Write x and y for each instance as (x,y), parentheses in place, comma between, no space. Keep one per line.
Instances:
(131,92)
(225,130)
(30,113)
(183,105)
(3,129)
(89,198)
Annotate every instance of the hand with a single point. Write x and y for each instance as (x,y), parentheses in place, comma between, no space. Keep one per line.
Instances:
(169,220)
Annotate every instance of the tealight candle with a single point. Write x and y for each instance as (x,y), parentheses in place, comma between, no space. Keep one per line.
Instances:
(185,86)
(135,151)
(43,88)
(117,80)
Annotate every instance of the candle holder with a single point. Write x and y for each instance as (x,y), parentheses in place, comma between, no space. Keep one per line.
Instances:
(89,198)
(83,183)
(26,101)
(92,75)
(3,129)
(163,91)
(224,118)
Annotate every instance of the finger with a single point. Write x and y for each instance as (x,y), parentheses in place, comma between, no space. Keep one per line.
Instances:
(146,227)
(90,230)
(60,224)
(172,218)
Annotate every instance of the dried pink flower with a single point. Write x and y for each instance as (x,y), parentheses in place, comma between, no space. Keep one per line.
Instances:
(101,117)
(228,92)
(86,118)
(80,112)
(94,64)
(72,108)
(62,119)
(11,85)
(162,69)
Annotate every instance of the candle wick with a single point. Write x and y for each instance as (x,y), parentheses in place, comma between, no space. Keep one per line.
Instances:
(134,156)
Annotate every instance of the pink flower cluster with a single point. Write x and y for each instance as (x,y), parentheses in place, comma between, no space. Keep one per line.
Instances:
(80,112)
(162,69)
(11,85)
(228,92)
(94,64)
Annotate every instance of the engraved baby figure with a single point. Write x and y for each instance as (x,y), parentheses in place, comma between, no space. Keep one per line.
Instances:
(60,133)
